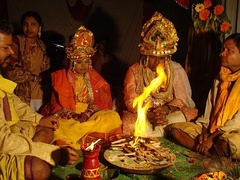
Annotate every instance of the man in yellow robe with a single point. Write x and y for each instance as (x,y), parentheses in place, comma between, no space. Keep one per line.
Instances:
(218,131)
(24,134)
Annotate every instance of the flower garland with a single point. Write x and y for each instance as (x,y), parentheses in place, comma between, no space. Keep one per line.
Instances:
(210,15)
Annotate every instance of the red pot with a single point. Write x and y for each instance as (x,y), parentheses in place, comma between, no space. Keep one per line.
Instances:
(91,165)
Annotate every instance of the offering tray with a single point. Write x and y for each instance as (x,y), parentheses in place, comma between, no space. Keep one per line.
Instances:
(147,157)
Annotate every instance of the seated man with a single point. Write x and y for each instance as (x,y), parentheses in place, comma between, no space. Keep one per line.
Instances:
(218,131)
(24,133)
(171,101)
(81,98)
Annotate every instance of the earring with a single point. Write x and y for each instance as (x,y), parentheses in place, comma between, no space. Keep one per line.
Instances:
(90,63)
(146,62)
(39,33)
(168,57)
(73,66)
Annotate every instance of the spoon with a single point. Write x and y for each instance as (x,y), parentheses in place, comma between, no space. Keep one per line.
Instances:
(91,146)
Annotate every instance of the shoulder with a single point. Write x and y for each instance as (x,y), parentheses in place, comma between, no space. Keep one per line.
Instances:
(177,68)
(176,65)
(58,73)
(134,68)
(93,74)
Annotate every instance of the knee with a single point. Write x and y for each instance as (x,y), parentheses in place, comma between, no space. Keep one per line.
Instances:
(170,131)
(174,132)
(36,169)
(44,135)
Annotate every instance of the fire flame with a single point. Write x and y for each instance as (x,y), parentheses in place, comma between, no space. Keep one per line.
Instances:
(141,124)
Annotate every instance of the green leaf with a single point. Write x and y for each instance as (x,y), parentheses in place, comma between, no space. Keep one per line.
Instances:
(110,174)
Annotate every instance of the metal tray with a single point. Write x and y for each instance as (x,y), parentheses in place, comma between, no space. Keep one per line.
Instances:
(130,166)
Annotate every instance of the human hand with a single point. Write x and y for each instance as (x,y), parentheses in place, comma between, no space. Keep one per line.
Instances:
(76,116)
(68,156)
(157,118)
(83,118)
(202,137)
(205,146)
(49,121)
(162,110)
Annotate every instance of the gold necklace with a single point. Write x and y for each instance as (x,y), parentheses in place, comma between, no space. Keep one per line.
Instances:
(81,89)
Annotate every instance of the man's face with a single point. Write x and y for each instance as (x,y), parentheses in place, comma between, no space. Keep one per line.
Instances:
(230,56)
(154,61)
(5,49)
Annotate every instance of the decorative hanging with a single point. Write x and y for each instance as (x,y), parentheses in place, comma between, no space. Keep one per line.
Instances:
(183,3)
(79,11)
(210,15)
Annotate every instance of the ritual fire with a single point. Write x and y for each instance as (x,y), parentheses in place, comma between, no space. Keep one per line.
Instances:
(142,107)
(140,150)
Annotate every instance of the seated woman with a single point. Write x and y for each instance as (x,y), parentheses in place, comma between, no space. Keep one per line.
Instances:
(81,98)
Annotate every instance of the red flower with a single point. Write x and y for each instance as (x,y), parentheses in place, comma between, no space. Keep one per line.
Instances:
(225,26)
(204,15)
(218,9)
(207,3)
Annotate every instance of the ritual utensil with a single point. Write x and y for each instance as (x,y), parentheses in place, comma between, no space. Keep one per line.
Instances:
(146,157)
(91,165)
(91,146)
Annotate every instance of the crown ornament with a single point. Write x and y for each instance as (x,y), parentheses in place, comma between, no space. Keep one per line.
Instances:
(159,37)
(81,46)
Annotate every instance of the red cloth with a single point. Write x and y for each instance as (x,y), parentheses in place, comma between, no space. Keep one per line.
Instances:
(184,3)
(63,91)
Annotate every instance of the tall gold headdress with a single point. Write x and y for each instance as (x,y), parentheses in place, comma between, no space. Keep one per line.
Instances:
(81,46)
(159,37)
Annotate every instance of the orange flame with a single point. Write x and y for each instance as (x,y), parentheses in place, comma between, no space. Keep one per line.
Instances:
(141,124)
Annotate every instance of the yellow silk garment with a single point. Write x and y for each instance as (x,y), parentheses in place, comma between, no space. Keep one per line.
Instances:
(73,132)
(12,167)
(228,102)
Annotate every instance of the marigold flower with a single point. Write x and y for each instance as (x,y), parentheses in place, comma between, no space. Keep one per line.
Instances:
(199,7)
(218,9)
(204,15)
(224,27)
(212,18)
(207,3)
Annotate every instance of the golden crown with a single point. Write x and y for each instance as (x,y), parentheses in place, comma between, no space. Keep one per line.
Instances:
(81,46)
(159,37)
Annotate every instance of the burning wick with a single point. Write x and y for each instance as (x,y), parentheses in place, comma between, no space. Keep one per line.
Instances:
(91,146)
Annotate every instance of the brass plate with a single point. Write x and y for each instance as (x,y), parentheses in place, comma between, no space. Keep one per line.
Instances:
(130,166)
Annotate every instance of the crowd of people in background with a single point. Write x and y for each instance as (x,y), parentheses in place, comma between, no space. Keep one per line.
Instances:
(82,97)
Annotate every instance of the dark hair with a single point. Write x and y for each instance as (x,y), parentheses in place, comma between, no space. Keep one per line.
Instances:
(34,15)
(6,27)
(236,38)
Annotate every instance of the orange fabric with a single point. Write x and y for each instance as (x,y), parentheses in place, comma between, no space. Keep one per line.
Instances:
(101,90)
(227,102)
(64,91)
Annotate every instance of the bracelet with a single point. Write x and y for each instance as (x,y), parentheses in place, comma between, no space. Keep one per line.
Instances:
(88,114)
